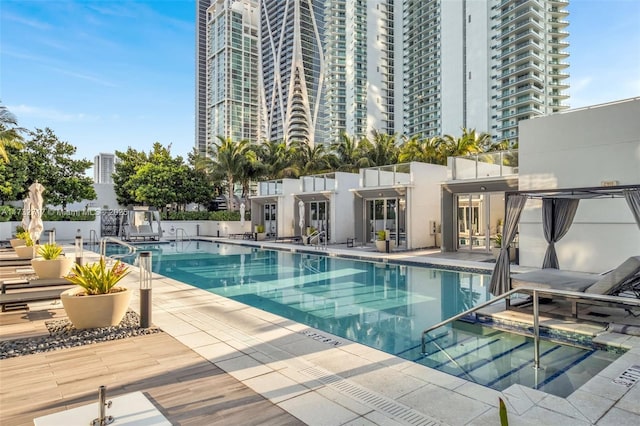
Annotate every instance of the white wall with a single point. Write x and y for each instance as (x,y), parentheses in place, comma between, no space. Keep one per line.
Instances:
(451,68)
(582,148)
(342,210)
(423,203)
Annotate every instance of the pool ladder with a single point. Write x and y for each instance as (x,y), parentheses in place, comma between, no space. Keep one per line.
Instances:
(318,240)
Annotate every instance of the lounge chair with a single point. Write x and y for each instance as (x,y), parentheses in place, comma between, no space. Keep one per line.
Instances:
(16,261)
(53,287)
(623,279)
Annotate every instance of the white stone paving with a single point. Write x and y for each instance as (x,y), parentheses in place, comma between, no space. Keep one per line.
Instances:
(272,356)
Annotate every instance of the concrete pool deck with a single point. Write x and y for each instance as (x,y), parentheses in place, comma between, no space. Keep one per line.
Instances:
(323,379)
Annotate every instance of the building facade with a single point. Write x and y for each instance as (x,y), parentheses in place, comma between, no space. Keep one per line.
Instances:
(201,76)
(414,67)
(483,64)
(103,168)
(232,71)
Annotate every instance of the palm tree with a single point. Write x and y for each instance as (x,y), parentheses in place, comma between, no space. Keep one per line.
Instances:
(310,159)
(228,163)
(10,136)
(276,159)
(427,150)
(350,155)
(384,149)
(469,143)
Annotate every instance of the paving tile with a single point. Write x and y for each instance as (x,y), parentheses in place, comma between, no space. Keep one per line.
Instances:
(542,416)
(316,410)
(197,339)
(480,393)
(618,417)
(631,401)
(562,406)
(243,367)
(276,387)
(604,387)
(447,406)
(593,407)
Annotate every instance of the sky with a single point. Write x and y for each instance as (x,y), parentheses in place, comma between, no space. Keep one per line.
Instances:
(106,75)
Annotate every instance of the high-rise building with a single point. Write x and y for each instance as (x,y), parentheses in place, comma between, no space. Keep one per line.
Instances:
(103,168)
(233,71)
(201,76)
(482,64)
(293,68)
(412,67)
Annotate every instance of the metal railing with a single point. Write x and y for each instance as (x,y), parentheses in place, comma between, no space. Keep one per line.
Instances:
(181,235)
(575,297)
(318,240)
(93,237)
(103,247)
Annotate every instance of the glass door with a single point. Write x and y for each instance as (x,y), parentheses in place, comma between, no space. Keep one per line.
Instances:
(270,221)
(479,220)
(318,216)
(386,214)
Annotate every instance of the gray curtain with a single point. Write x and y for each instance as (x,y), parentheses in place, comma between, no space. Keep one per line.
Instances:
(500,278)
(557,217)
(633,199)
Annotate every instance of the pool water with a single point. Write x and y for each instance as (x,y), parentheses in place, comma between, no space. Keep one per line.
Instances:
(382,305)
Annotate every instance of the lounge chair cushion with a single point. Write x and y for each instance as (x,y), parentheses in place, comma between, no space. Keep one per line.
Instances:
(554,279)
(611,282)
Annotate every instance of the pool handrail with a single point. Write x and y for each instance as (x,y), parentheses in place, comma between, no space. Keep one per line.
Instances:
(103,247)
(578,297)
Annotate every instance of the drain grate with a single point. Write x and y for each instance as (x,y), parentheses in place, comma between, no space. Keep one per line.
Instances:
(388,406)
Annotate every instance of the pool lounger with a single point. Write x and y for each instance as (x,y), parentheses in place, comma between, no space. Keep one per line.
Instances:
(624,278)
(52,289)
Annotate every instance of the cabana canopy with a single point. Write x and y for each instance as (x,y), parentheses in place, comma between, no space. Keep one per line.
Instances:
(558,209)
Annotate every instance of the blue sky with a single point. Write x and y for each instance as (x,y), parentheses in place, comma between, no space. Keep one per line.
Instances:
(108,74)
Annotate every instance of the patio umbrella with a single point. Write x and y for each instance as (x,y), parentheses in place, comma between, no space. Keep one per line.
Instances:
(242,207)
(25,213)
(35,199)
(301,214)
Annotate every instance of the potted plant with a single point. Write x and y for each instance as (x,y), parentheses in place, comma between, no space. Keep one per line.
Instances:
(261,235)
(97,301)
(497,245)
(381,241)
(18,240)
(51,264)
(27,250)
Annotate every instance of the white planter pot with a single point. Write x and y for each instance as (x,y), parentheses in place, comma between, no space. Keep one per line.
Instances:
(261,236)
(382,246)
(52,268)
(102,310)
(15,242)
(26,251)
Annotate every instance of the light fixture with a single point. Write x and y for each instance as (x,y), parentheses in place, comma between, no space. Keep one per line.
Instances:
(483,188)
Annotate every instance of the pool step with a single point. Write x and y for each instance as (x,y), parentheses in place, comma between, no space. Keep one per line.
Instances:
(498,359)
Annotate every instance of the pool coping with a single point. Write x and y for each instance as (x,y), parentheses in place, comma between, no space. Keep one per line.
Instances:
(273,356)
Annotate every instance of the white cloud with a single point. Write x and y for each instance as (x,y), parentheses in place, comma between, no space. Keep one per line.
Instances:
(84,77)
(49,114)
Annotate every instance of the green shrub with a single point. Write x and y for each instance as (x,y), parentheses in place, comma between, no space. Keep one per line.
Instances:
(223,215)
(6,213)
(50,251)
(382,235)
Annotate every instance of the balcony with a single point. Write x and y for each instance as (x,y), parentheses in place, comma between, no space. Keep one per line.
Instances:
(320,182)
(270,187)
(482,166)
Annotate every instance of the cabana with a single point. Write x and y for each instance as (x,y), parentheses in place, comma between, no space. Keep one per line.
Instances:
(558,209)
(140,223)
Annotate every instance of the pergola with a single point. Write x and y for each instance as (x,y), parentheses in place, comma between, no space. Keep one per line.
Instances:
(558,210)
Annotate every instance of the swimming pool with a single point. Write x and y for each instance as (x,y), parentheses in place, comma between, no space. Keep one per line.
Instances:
(382,305)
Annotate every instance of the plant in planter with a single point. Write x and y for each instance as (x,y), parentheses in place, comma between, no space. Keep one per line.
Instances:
(381,241)
(28,249)
(97,301)
(261,235)
(51,264)
(18,240)
(497,245)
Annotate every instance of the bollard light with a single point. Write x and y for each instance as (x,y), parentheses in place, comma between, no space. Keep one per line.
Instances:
(52,236)
(144,262)
(78,249)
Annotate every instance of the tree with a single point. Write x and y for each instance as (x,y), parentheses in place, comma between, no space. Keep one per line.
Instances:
(228,160)
(124,170)
(470,142)
(13,176)
(349,155)
(383,150)
(424,150)
(275,159)
(10,133)
(49,161)
(309,159)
